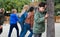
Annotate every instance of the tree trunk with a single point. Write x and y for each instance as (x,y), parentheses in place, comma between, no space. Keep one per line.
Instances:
(50,20)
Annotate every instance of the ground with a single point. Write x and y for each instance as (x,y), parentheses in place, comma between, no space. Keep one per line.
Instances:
(6,30)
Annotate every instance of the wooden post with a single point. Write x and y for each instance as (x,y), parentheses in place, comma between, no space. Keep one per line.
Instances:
(50,20)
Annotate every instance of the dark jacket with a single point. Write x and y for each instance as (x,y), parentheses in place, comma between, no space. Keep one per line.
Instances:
(2,18)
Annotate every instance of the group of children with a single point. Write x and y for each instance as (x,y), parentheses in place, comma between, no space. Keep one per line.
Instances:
(31,20)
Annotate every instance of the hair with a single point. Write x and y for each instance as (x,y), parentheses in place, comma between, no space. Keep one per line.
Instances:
(25,6)
(42,4)
(14,10)
(31,9)
(2,10)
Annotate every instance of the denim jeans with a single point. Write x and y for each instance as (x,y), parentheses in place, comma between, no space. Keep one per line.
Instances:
(26,28)
(11,28)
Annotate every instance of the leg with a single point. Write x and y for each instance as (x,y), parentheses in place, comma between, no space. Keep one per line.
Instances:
(22,28)
(37,35)
(24,32)
(10,31)
(40,35)
(17,30)
(1,29)
(31,33)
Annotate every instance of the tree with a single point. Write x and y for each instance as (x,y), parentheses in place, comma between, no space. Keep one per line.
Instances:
(50,20)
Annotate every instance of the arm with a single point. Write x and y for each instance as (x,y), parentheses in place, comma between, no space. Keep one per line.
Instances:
(38,19)
(23,11)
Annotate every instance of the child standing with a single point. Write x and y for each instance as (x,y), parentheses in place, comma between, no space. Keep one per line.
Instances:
(22,17)
(39,20)
(13,22)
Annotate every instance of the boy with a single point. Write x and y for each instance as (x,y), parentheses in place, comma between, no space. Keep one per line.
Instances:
(39,20)
(13,22)
(23,16)
(28,23)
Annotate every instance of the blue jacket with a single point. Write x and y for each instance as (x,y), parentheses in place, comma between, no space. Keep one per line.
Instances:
(13,19)
(22,18)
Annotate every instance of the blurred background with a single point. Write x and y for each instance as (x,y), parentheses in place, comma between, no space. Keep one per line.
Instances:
(18,4)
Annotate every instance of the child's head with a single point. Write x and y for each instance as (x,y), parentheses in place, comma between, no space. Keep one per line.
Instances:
(2,10)
(14,11)
(26,7)
(31,9)
(42,6)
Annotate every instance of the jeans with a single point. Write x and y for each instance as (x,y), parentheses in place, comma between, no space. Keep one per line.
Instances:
(25,29)
(11,28)
(22,28)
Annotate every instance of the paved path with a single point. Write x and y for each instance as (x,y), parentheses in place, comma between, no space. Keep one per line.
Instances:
(6,30)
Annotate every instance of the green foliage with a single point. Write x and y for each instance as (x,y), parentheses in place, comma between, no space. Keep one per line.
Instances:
(10,4)
(18,4)
(57,6)
(41,0)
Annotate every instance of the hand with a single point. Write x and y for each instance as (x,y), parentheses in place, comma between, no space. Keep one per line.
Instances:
(46,16)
